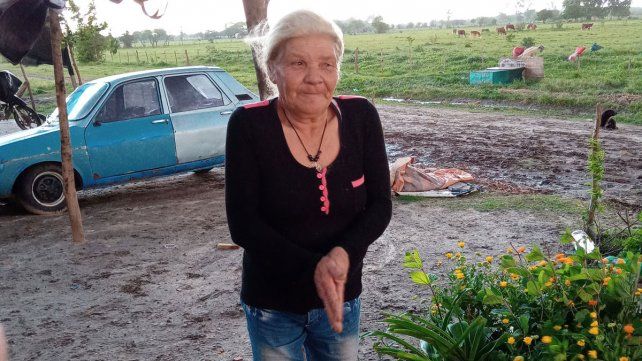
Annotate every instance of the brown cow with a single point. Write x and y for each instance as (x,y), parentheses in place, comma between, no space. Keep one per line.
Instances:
(454,31)
(475,33)
(461,32)
(531,26)
(510,26)
(587,26)
(501,31)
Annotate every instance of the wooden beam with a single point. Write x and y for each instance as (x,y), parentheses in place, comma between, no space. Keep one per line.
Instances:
(255,14)
(65,144)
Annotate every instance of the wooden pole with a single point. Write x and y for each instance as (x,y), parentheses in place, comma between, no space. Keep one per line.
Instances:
(72,57)
(128,57)
(255,14)
(75,217)
(186,57)
(137,58)
(590,219)
(176,57)
(28,85)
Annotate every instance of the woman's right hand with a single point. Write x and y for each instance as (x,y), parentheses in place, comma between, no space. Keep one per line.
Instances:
(330,277)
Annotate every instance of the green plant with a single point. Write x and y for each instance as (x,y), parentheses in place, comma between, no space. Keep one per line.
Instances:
(510,38)
(527,42)
(530,306)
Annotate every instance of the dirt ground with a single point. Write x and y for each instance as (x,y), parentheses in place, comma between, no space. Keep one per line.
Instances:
(150,284)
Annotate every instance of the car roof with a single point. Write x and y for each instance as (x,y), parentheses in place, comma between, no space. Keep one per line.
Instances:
(155,72)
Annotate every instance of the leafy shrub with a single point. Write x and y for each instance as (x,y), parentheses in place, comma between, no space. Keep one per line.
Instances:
(510,38)
(527,307)
(528,42)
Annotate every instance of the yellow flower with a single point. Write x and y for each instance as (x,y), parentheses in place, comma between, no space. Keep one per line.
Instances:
(628,329)
(518,358)
(592,354)
(505,321)
(489,259)
(593,314)
(606,280)
(461,244)
(581,343)
(568,260)
(542,263)
(547,339)
(528,340)
(514,277)
(570,304)
(457,254)
(581,357)
(620,261)
(594,324)
(449,255)
(503,284)
(460,276)
(532,268)
(521,249)
(557,327)
(548,284)
(624,358)
(567,283)
(594,331)
(509,250)
(511,340)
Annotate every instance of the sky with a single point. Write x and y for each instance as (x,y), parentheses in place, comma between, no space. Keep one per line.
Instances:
(192,16)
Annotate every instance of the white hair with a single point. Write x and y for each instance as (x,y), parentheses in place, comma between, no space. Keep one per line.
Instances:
(268,45)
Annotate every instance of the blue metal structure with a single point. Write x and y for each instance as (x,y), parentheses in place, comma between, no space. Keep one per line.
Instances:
(114,143)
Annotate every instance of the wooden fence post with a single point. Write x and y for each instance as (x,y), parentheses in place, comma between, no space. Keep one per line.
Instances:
(128,57)
(186,57)
(72,57)
(176,57)
(28,85)
(137,58)
(75,216)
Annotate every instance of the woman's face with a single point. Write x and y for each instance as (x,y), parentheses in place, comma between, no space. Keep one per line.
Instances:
(306,74)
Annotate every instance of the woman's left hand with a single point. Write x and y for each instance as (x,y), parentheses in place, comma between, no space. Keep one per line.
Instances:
(330,277)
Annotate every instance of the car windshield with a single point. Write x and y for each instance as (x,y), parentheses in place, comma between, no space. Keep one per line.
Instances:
(80,101)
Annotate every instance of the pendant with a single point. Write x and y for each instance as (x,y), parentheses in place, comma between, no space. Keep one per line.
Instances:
(317,166)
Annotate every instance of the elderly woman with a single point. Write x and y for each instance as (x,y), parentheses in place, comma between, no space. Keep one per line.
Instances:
(307,191)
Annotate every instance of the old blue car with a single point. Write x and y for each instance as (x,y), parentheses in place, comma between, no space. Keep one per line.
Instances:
(124,127)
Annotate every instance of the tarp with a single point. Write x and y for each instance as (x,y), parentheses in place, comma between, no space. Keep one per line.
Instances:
(21,23)
(406,177)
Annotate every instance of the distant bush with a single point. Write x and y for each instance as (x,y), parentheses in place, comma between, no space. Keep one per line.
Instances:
(528,42)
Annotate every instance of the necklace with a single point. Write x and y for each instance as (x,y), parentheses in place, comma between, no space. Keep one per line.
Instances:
(313,159)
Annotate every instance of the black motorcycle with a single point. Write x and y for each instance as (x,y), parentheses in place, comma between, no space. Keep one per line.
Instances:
(12,106)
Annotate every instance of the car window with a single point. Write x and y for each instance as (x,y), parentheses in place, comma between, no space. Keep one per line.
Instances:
(131,100)
(191,92)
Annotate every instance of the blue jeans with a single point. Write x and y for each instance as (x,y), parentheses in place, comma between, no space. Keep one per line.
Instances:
(283,336)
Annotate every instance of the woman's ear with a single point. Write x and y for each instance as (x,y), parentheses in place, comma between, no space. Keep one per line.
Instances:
(272,72)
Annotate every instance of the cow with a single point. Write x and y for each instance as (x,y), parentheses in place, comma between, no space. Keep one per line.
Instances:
(510,26)
(587,26)
(454,31)
(475,33)
(531,26)
(461,32)
(501,31)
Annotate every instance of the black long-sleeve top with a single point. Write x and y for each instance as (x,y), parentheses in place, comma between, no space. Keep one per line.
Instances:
(277,211)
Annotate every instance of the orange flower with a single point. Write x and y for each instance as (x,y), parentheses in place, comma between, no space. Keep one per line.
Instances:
(521,249)
(560,256)
(505,321)
(592,354)
(489,259)
(594,331)
(528,340)
(511,340)
(624,358)
(592,303)
(605,260)
(581,343)
(618,271)
(594,324)
(605,281)
(620,261)
(503,284)
(628,329)
(567,283)
(547,339)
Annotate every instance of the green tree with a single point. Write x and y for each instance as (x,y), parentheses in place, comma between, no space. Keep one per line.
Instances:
(112,44)
(379,26)
(127,39)
(545,14)
(620,8)
(88,42)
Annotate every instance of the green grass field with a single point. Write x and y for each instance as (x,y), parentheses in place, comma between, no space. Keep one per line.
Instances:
(439,66)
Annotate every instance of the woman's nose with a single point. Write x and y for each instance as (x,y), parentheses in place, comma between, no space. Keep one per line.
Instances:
(313,75)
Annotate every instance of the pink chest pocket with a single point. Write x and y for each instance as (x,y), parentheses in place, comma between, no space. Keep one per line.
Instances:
(358,182)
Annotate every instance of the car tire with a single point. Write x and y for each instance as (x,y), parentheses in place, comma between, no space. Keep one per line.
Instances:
(40,190)
(203,171)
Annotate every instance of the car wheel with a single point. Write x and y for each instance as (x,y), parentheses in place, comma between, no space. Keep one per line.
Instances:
(203,171)
(40,190)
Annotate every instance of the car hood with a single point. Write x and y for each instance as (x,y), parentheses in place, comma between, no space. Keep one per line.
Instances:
(28,134)
(34,142)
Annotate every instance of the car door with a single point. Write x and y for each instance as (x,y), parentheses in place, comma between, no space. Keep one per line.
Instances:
(131,133)
(199,111)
